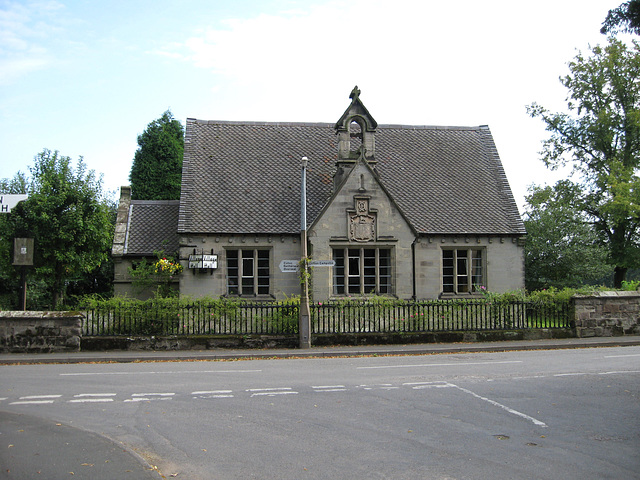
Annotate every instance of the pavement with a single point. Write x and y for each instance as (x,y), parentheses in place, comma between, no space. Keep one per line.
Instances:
(34,447)
(127,356)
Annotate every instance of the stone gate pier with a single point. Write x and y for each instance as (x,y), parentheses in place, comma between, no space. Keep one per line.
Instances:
(45,332)
(606,314)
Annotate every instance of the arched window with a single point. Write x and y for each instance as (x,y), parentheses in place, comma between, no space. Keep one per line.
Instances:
(355,136)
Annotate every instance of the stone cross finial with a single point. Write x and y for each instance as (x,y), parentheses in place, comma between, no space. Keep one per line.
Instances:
(355,93)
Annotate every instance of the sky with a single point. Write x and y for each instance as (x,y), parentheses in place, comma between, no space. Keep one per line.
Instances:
(86,77)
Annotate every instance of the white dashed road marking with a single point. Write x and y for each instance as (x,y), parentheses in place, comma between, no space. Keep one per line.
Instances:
(213,394)
(36,399)
(275,391)
(271,392)
(148,397)
(423,385)
(93,398)
(329,388)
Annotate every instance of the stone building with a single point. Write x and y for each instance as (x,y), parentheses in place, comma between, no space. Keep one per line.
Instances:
(407,211)
(144,228)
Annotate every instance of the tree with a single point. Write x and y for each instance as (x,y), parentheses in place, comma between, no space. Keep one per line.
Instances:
(625,19)
(156,173)
(600,137)
(67,215)
(562,248)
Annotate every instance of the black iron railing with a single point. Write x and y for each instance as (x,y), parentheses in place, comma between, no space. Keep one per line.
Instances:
(129,318)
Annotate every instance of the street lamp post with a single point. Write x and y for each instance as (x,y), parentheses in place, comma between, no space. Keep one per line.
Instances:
(304,322)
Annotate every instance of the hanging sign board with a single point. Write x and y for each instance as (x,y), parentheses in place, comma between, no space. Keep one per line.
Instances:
(200,260)
(23,251)
(7,202)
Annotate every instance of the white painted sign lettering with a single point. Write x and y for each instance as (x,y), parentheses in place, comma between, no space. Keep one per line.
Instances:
(7,202)
(289,266)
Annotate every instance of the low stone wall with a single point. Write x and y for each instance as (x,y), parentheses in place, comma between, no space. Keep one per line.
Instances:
(32,332)
(606,314)
(213,342)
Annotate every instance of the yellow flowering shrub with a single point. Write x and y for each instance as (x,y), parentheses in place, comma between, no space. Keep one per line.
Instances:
(167,267)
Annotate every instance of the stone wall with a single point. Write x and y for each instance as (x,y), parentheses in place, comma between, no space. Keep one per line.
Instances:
(32,332)
(607,314)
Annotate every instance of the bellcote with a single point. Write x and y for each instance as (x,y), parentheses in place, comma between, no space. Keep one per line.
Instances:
(356,130)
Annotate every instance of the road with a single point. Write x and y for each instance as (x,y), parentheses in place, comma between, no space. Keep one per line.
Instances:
(571,414)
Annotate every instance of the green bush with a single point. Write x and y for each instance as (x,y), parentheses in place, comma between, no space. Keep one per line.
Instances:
(630,286)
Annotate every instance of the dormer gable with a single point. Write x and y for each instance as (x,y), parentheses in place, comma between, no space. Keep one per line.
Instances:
(356,130)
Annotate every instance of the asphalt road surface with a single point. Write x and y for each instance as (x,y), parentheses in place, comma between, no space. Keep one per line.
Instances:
(569,414)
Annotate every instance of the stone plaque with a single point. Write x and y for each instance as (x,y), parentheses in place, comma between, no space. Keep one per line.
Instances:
(362,222)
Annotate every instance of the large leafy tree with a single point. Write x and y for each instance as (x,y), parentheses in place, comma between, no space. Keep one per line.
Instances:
(600,138)
(562,248)
(156,173)
(625,18)
(68,216)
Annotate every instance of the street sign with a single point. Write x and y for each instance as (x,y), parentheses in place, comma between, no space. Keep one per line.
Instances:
(322,263)
(289,266)
(7,202)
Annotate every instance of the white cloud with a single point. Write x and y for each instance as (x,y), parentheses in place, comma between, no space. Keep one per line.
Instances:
(24,29)
(416,61)
(11,69)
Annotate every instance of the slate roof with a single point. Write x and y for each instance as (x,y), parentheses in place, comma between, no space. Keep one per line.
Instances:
(152,226)
(244,177)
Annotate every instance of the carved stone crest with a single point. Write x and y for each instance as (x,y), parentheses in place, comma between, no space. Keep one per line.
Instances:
(362,222)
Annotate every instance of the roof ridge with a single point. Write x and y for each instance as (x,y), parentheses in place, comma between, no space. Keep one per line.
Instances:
(431,127)
(254,123)
(332,125)
(155,202)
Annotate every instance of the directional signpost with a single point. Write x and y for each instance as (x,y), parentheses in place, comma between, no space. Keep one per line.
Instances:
(289,266)
(292,266)
(322,263)
(7,202)
(23,247)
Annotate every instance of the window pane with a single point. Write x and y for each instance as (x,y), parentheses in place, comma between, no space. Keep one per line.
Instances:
(232,272)
(248,272)
(448,271)
(263,272)
(247,263)
(478,279)
(338,271)
(384,270)
(361,271)
(462,271)
(247,286)
(353,281)
(369,271)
